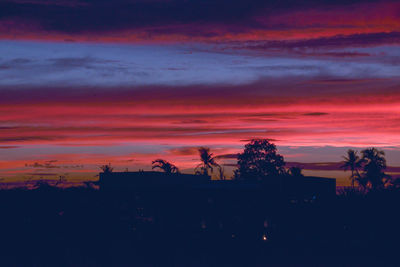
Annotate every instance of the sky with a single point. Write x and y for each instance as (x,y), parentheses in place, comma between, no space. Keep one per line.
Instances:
(85,83)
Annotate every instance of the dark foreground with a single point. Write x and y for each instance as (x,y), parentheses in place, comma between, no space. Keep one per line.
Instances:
(86,227)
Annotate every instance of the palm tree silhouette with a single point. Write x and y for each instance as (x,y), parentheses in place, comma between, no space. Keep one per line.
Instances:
(374,163)
(353,163)
(207,161)
(165,166)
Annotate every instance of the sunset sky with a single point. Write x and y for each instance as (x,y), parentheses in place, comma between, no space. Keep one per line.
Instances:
(88,82)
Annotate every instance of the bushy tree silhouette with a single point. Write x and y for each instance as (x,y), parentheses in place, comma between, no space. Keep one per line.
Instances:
(165,166)
(44,185)
(259,161)
(207,161)
(295,172)
(353,163)
(107,168)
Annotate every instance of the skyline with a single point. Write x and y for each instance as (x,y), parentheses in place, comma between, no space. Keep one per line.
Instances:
(85,83)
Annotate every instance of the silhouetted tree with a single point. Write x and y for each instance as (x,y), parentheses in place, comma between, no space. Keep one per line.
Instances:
(43,185)
(295,172)
(61,180)
(90,185)
(395,183)
(259,161)
(207,161)
(353,163)
(374,164)
(221,173)
(165,166)
(107,168)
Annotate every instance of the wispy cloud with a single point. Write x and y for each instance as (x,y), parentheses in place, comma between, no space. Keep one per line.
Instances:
(76,65)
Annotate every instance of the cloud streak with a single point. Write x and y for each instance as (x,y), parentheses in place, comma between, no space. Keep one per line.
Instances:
(177,20)
(72,65)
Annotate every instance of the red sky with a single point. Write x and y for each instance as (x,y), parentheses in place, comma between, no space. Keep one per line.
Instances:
(84,83)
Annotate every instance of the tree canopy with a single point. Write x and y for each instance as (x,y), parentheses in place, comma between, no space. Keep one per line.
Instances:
(374,164)
(259,161)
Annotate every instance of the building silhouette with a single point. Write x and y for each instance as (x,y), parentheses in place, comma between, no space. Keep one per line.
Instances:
(294,188)
(194,207)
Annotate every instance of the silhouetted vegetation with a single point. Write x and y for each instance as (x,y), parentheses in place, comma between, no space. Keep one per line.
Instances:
(259,161)
(295,172)
(352,162)
(221,173)
(165,166)
(107,168)
(374,164)
(368,170)
(207,161)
